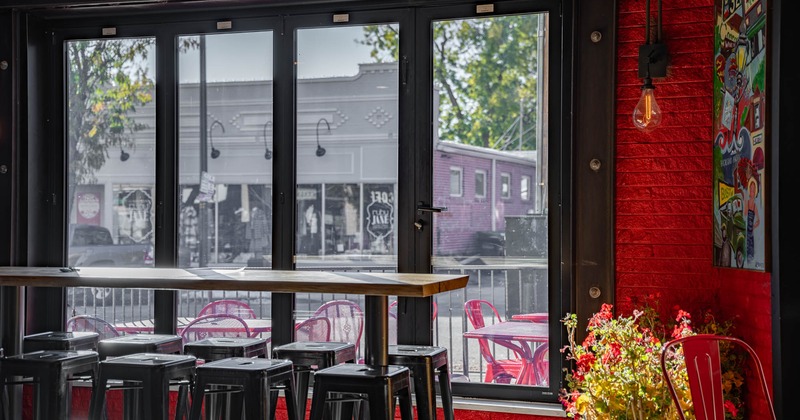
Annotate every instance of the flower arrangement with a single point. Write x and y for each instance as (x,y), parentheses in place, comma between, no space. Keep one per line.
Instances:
(617,373)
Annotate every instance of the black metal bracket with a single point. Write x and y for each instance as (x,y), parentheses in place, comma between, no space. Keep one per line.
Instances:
(653,60)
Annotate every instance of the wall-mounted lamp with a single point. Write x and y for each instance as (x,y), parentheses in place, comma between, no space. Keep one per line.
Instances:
(653,60)
(320,149)
(123,155)
(214,152)
(267,152)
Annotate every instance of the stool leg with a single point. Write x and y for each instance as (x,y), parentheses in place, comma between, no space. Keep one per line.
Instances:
(97,404)
(381,404)
(406,409)
(318,406)
(302,392)
(155,391)
(445,389)
(50,400)
(197,398)
(425,392)
(291,401)
(256,399)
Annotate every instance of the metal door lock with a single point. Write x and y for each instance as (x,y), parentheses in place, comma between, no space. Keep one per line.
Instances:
(419,224)
(594,292)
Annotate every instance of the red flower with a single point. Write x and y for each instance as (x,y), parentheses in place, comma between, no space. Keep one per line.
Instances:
(683,314)
(731,408)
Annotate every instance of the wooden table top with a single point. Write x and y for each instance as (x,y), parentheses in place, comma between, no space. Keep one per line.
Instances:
(378,284)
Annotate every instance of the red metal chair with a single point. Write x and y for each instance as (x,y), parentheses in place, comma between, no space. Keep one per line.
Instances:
(214,325)
(228,306)
(346,319)
(92,323)
(313,329)
(497,370)
(701,356)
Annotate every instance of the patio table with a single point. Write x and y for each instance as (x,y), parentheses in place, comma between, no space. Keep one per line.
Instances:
(530,335)
(377,287)
(256,326)
(532,317)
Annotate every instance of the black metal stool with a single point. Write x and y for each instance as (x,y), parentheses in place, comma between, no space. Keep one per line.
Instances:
(135,344)
(60,340)
(153,371)
(139,343)
(379,384)
(50,371)
(426,363)
(218,348)
(256,377)
(310,356)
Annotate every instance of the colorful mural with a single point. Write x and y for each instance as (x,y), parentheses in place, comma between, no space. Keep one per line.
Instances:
(739,138)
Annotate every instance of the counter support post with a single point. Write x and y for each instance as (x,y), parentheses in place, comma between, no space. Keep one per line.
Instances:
(376,325)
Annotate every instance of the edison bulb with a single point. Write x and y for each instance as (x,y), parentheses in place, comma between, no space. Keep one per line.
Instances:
(647,114)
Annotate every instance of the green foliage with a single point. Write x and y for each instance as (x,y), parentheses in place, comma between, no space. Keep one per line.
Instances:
(617,372)
(106,81)
(486,73)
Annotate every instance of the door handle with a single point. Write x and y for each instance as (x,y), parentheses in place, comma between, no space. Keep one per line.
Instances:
(421,207)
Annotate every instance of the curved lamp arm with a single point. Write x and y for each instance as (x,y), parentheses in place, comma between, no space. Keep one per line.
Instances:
(214,152)
(320,149)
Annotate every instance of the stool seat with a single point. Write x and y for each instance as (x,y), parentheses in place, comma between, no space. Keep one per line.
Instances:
(254,379)
(216,348)
(139,343)
(309,356)
(379,384)
(50,371)
(153,372)
(426,364)
(60,340)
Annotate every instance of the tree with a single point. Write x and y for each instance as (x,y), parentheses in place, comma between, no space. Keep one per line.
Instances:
(486,72)
(106,81)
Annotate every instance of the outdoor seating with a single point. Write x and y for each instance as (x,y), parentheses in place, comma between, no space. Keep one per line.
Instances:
(229,307)
(93,324)
(313,329)
(701,356)
(346,319)
(497,369)
(214,325)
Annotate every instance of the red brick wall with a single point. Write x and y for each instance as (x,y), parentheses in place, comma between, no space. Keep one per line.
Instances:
(663,185)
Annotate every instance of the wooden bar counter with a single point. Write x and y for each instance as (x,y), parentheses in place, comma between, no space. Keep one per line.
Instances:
(376,287)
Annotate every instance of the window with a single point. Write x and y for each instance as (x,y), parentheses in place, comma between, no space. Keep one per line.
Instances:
(235,107)
(525,188)
(455,182)
(505,185)
(480,184)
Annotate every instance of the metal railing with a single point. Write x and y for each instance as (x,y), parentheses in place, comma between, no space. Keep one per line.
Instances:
(512,289)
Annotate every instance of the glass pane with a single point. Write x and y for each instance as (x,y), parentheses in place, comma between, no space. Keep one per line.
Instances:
(111,169)
(225,156)
(489,96)
(347,102)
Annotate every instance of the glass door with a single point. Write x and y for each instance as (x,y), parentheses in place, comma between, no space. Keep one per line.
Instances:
(490,86)
(347,132)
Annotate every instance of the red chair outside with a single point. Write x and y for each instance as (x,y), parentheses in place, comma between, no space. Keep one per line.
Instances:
(228,306)
(497,370)
(346,319)
(92,323)
(313,329)
(701,355)
(214,325)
